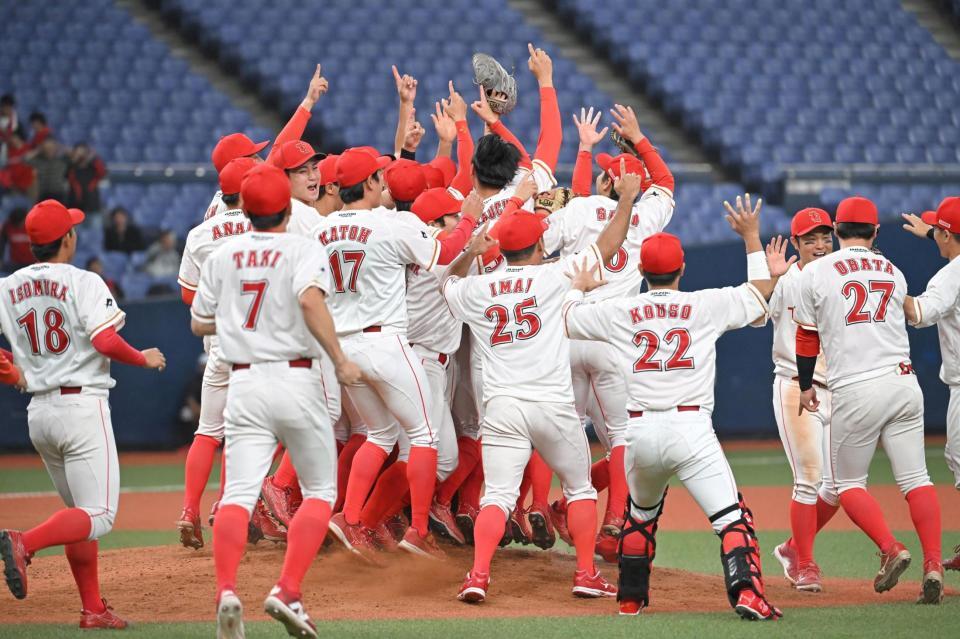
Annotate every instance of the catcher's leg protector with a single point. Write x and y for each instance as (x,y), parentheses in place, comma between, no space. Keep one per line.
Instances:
(636,550)
(740,553)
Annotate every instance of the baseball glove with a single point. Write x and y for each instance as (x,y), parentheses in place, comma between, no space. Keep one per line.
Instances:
(623,144)
(499,86)
(553,200)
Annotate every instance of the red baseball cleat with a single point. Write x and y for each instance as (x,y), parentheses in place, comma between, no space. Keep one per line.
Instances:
(105,620)
(397,525)
(191,535)
(931,591)
(519,528)
(892,564)
(355,538)
(558,517)
(15,561)
(786,554)
(609,538)
(424,546)
(953,564)
(592,586)
(383,538)
(270,528)
(443,523)
(542,526)
(465,517)
(288,610)
(809,579)
(630,608)
(474,588)
(278,501)
(753,607)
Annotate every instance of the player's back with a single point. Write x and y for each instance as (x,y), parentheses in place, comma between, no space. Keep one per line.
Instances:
(257,279)
(854,299)
(204,238)
(50,313)
(369,251)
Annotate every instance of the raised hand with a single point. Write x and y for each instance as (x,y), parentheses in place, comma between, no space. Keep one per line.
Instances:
(455,106)
(318,86)
(625,123)
(444,124)
(154,359)
(527,187)
(540,65)
(585,279)
(482,108)
(777,260)
(481,242)
(587,128)
(744,220)
(406,86)
(915,225)
(628,184)
(414,133)
(472,206)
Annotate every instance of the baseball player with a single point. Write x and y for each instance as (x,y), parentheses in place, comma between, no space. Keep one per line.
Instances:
(328,197)
(263,294)
(940,305)
(596,374)
(852,303)
(62,324)
(665,343)
(202,240)
(814,500)
(369,248)
(515,315)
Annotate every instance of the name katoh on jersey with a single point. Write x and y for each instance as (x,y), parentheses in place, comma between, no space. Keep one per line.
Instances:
(579,224)
(369,251)
(431,324)
(783,304)
(940,305)
(666,340)
(303,218)
(854,299)
(50,313)
(251,288)
(515,319)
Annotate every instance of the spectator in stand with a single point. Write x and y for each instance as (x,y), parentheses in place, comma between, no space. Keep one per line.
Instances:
(40,129)
(9,125)
(95,265)
(17,174)
(84,175)
(122,234)
(13,234)
(51,166)
(163,258)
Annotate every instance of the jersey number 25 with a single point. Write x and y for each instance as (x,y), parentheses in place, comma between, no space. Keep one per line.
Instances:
(522,314)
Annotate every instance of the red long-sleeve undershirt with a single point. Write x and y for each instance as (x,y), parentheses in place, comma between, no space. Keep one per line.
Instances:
(8,374)
(463,180)
(808,342)
(293,130)
(583,174)
(109,344)
(551,129)
(186,295)
(659,171)
(452,244)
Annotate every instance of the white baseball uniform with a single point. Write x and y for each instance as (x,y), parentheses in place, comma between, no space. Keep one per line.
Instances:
(201,242)
(50,313)
(940,305)
(369,251)
(251,288)
(595,371)
(515,319)
(854,299)
(665,344)
(216,206)
(802,435)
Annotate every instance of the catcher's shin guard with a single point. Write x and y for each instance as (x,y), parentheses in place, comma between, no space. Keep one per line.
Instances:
(636,550)
(740,553)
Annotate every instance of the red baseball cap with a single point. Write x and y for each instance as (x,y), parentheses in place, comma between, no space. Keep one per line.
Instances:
(434,203)
(611,165)
(356,165)
(231,177)
(328,170)
(520,230)
(947,215)
(405,179)
(265,190)
(50,220)
(446,167)
(293,154)
(433,175)
(808,219)
(857,209)
(235,145)
(661,253)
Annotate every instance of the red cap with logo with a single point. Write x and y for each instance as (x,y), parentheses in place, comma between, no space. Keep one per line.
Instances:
(857,209)
(434,203)
(405,179)
(293,154)
(328,170)
(265,190)
(611,164)
(808,219)
(231,177)
(50,220)
(520,230)
(947,215)
(235,145)
(356,165)
(661,253)
(446,167)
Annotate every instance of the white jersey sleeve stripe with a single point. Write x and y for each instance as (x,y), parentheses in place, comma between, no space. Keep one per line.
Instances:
(763,302)
(317,284)
(113,321)
(203,319)
(436,255)
(187,285)
(543,166)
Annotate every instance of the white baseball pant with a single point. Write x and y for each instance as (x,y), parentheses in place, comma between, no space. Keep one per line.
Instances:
(466,420)
(394,390)
(804,442)
(440,417)
(74,437)
(512,428)
(952,450)
(271,402)
(213,395)
(661,444)
(599,389)
(889,410)
(331,388)
(350,421)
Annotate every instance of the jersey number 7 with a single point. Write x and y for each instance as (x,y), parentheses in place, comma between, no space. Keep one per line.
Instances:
(258,289)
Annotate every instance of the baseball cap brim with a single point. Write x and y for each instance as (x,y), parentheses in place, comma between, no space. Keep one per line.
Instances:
(810,226)
(930,217)
(76,216)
